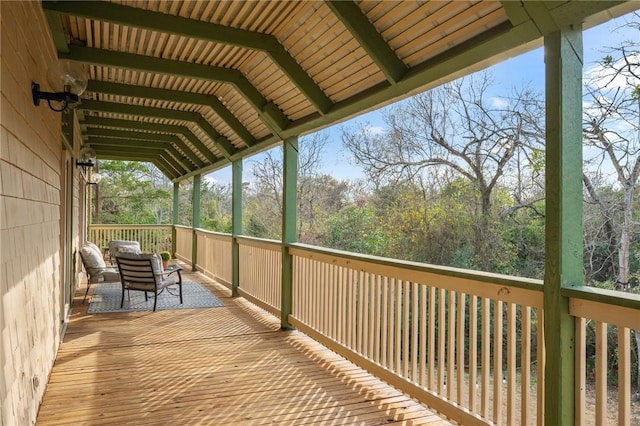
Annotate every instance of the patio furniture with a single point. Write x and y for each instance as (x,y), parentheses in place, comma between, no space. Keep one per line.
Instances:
(95,267)
(119,246)
(143,272)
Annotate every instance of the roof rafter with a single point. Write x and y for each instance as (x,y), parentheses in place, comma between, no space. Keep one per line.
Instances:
(151,127)
(149,137)
(152,64)
(106,149)
(177,25)
(117,108)
(156,160)
(369,38)
(168,95)
(98,141)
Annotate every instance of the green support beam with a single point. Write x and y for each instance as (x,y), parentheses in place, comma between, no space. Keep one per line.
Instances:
(146,111)
(236,224)
(289,229)
(196,197)
(157,161)
(172,67)
(369,38)
(98,142)
(563,231)
(151,137)
(134,151)
(152,127)
(165,23)
(168,95)
(175,217)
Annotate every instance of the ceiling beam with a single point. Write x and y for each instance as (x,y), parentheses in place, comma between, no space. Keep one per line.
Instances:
(152,64)
(152,127)
(150,138)
(99,139)
(175,96)
(105,148)
(170,114)
(157,161)
(369,38)
(193,28)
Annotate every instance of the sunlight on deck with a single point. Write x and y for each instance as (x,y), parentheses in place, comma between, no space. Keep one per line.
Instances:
(228,365)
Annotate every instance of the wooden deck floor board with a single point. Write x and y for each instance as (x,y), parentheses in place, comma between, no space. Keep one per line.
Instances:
(218,366)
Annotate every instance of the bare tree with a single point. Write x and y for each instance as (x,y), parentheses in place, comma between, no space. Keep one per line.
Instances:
(612,139)
(317,194)
(457,127)
(611,133)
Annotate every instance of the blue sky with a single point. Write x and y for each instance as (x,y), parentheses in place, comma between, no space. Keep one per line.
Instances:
(526,69)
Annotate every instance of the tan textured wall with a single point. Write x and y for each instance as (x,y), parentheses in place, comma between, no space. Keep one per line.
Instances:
(30,158)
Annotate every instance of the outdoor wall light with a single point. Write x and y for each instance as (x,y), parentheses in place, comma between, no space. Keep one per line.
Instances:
(87,160)
(69,79)
(94,179)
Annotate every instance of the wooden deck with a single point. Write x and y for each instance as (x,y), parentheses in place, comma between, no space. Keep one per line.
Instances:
(219,366)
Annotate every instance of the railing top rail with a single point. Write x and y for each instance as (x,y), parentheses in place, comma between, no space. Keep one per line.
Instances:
(506,280)
(247,238)
(127,226)
(181,227)
(208,232)
(610,297)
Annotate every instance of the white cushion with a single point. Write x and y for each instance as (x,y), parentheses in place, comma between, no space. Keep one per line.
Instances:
(92,245)
(115,244)
(91,257)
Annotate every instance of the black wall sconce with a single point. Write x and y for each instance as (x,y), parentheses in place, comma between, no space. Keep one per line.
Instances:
(86,161)
(69,79)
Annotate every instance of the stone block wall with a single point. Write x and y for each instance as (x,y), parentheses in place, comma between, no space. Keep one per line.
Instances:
(30,188)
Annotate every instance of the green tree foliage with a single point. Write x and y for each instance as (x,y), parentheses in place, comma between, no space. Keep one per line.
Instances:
(132,193)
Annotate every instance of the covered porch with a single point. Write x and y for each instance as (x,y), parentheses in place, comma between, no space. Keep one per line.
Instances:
(193,87)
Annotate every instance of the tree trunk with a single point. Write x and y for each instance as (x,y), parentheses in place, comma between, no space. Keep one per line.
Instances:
(625,237)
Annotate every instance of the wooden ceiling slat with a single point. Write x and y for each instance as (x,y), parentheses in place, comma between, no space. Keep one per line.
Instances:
(439,44)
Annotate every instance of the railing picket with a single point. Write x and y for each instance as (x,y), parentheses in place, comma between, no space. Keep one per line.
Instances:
(525,366)
(511,363)
(397,346)
(540,365)
(377,316)
(601,373)
(423,335)
(624,376)
(497,361)
(460,349)
(432,338)
(486,357)
(441,340)
(451,344)
(384,323)
(415,327)
(473,352)
(405,330)
(581,370)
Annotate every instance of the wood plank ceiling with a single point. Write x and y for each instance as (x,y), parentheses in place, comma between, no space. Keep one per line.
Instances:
(193,85)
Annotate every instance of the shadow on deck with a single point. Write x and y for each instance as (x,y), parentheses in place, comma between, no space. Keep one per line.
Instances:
(225,366)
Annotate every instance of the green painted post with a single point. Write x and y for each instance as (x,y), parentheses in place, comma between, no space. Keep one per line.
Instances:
(176,216)
(563,235)
(236,224)
(197,179)
(289,218)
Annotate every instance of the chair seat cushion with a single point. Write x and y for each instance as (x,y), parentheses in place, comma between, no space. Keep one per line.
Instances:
(91,257)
